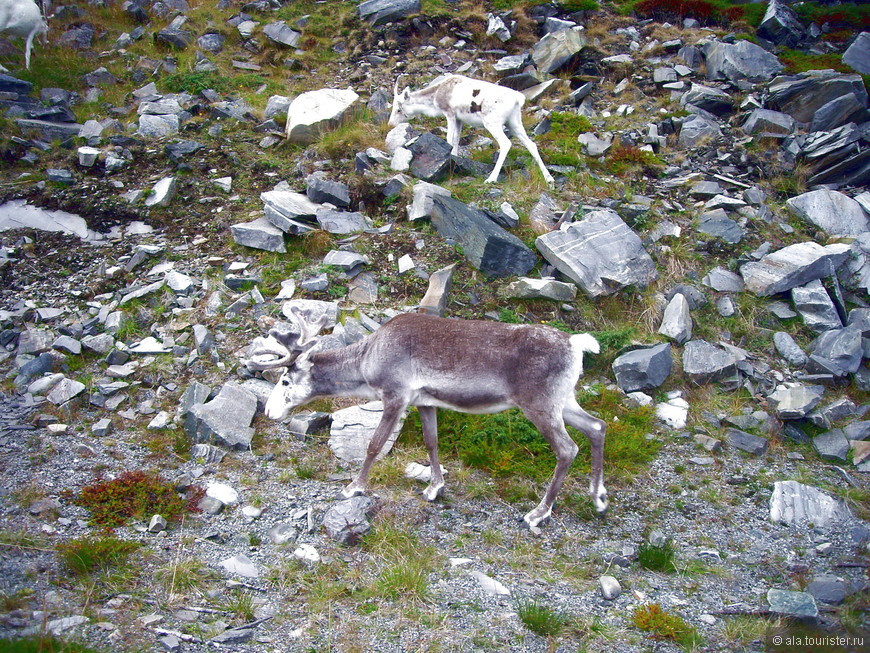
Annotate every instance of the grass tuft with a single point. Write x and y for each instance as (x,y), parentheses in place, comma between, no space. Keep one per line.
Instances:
(657,557)
(86,556)
(540,618)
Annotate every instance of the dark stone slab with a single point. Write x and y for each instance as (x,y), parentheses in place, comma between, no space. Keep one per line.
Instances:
(488,247)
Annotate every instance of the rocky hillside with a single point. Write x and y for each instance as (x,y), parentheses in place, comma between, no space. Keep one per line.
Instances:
(179,178)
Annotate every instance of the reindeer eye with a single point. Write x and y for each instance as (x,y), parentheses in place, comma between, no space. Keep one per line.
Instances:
(285,381)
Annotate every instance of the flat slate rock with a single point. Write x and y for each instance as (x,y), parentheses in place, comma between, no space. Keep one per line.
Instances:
(601,254)
(704,362)
(792,266)
(226,419)
(488,247)
(833,212)
(741,60)
(259,234)
(798,504)
(347,521)
(796,401)
(747,442)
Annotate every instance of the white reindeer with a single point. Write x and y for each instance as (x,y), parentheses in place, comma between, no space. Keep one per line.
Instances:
(432,362)
(22,18)
(463,100)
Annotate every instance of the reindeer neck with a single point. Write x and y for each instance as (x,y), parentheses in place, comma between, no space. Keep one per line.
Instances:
(336,372)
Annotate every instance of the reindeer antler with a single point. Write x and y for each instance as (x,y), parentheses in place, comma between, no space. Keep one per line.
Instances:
(281,347)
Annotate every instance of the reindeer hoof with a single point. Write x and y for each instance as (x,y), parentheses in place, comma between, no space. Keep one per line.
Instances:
(536,517)
(432,492)
(352,490)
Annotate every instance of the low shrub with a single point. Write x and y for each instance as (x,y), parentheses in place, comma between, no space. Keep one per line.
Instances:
(664,625)
(132,495)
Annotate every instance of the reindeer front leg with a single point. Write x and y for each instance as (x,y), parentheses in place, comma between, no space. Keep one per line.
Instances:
(394,407)
(504,146)
(429,419)
(454,129)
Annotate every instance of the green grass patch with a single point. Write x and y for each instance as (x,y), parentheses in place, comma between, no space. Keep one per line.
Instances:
(796,61)
(196,82)
(356,133)
(559,146)
(657,557)
(87,556)
(629,160)
(55,66)
(403,564)
(132,495)
(540,618)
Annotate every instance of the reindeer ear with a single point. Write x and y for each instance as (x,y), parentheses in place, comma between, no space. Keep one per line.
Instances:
(406,94)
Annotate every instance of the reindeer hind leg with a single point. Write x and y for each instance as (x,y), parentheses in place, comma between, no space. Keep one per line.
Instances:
(594,429)
(553,430)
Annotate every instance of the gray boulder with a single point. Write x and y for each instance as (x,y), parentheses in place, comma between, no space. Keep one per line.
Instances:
(741,60)
(814,305)
(796,401)
(747,442)
(557,50)
(314,112)
(789,349)
(259,234)
(347,521)
(322,190)
(173,36)
(802,95)
(704,362)
(279,33)
(342,222)
(379,12)
(795,605)
(799,504)
(766,122)
(488,247)
(717,224)
(781,25)
(644,368)
(432,159)
(792,266)
(832,445)
(601,254)
(722,280)
(833,212)
(857,55)
(677,321)
(838,112)
(225,420)
(526,288)
(697,130)
(291,212)
(837,351)
(352,430)
(714,100)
